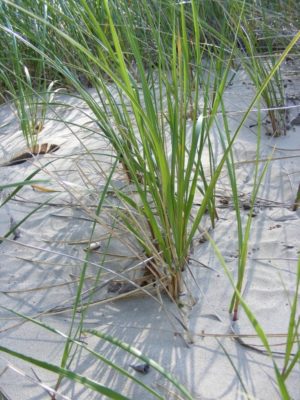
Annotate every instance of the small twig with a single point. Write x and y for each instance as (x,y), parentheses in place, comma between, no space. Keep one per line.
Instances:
(38,288)
(202,264)
(265,160)
(240,341)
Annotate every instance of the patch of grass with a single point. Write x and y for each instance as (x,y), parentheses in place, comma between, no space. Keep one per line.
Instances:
(25,87)
(160,70)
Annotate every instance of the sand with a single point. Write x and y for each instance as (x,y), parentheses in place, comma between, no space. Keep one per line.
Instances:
(40,269)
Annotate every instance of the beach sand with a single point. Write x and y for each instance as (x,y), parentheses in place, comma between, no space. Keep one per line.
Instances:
(40,268)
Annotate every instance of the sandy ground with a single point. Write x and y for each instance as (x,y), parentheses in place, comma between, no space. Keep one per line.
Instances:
(40,268)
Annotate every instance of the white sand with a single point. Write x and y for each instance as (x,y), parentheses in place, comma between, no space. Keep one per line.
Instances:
(42,257)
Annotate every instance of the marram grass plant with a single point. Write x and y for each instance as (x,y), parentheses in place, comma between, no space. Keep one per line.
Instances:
(262,33)
(29,105)
(25,87)
(147,124)
(147,127)
(258,67)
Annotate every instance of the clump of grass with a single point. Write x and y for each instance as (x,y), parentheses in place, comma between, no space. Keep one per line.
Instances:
(258,67)
(29,106)
(147,124)
(30,94)
(258,48)
(147,127)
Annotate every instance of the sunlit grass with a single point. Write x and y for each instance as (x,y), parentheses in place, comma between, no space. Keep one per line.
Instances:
(160,70)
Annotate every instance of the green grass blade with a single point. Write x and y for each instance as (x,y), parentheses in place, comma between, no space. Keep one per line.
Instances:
(132,350)
(83,380)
